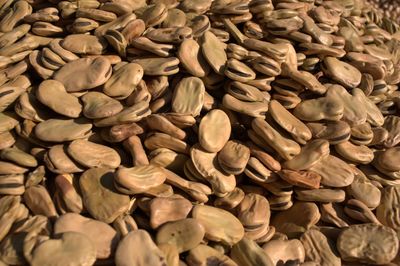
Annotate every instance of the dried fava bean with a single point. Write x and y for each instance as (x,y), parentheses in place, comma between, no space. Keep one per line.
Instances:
(154,14)
(197,191)
(368,243)
(388,159)
(392,124)
(233,157)
(9,210)
(342,72)
(66,197)
(253,109)
(214,52)
(158,66)
(16,14)
(7,139)
(139,179)
(184,234)
(175,18)
(125,224)
(305,179)
(192,59)
(8,121)
(290,123)
(354,112)
(8,95)
(333,213)
(254,211)
(58,161)
(103,236)
(297,219)
(84,44)
(35,177)
(323,108)
(51,60)
(365,191)
(117,41)
(72,248)
(146,44)
(169,35)
(334,172)
(99,105)
(59,130)
(161,140)
(27,106)
(321,195)
(275,51)
(169,159)
(285,250)
(133,29)
(219,225)
(286,148)
(264,157)
(360,212)
(117,24)
(358,154)
(160,123)
(207,165)
(214,130)
(313,152)
(135,148)
(171,254)
(362,134)
(247,253)
(202,254)
(257,171)
(19,157)
(318,249)
(82,25)
(128,115)
(188,96)
(245,92)
(96,14)
(92,155)
(53,94)
(374,115)
(231,200)
(38,200)
(123,81)
(111,204)
(236,70)
(166,209)
(11,184)
(84,73)
(388,206)
(137,248)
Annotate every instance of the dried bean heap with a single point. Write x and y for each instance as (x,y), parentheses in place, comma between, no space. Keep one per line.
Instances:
(199,132)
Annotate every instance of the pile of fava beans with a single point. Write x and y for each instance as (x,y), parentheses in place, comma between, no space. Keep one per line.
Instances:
(199,132)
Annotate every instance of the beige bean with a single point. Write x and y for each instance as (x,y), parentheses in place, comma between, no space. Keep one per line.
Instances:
(184,234)
(91,154)
(285,147)
(146,250)
(38,200)
(247,253)
(53,94)
(78,244)
(103,236)
(107,208)
(290,123)
(163,210)
(219,225)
